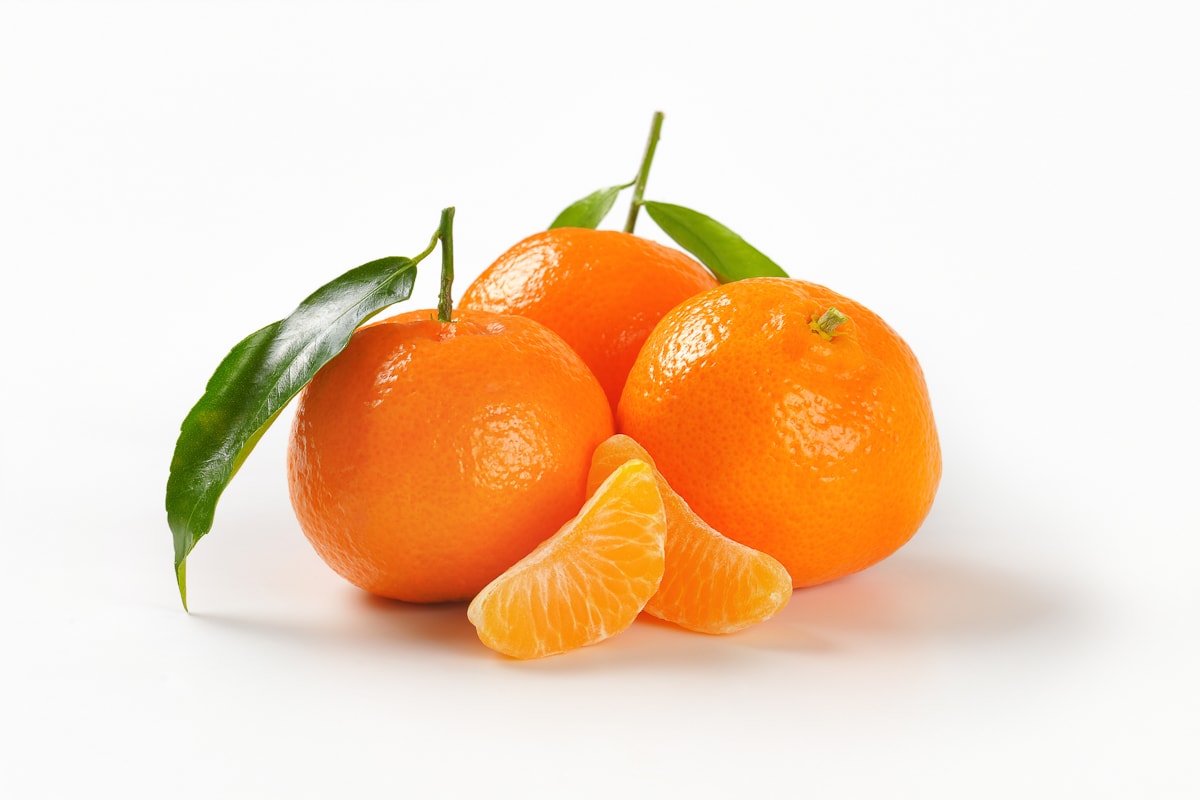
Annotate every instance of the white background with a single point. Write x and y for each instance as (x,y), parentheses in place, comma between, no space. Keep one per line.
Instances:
(1013,185)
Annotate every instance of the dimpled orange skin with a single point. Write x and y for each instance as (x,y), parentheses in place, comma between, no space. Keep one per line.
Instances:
(601,291)
(823,454)
(426,458)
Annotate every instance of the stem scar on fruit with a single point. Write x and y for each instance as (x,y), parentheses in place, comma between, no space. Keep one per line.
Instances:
(826,326)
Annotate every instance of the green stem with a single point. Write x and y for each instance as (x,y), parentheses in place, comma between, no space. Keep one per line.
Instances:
(419,257)
(827,325)
(639,186)
(446,234)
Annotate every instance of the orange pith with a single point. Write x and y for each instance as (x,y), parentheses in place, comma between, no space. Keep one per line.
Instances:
(586,583)
(711,584)
(428,457)
(820,450)
(601,291)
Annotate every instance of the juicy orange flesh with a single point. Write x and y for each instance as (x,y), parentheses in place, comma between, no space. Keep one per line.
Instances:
(587,582)
(711,583)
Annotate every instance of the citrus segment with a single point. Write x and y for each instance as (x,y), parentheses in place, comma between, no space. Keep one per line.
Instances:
(587,582)
(711,583)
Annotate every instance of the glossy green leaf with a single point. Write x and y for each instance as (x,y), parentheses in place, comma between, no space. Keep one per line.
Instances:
(590,211)
(729,256)
(261,374)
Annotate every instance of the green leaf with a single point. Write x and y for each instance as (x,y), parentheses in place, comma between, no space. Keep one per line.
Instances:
(591,210)
(729,256)
(261,374)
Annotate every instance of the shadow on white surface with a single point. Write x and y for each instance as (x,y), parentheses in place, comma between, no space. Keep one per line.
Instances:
(441,626)
(905,603)
(919,600)
(926,597)
(364,623)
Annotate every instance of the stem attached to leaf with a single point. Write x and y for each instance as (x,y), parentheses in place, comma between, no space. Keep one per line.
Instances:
(446,234)
(639,186)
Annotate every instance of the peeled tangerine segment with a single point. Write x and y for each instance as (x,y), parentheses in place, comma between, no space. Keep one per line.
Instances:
(710,583)
(587,582)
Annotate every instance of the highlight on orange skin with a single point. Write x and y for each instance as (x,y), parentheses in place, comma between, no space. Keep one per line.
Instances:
(792,419)
(711,584)
(588,581)
(602,291)
(428,457)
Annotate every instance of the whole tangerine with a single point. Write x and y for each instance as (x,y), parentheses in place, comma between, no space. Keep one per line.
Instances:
(602,291)
(428,457)
(792,419)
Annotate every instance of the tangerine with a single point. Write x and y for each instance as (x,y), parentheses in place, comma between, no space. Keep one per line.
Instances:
(600,290)
(586,583)
(792,428)
(710,584)
(427,457)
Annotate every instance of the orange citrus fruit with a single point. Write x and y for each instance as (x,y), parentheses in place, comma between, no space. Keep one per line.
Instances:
(789,427)
(601,291)
(711,584)
(586,583)
(428,457)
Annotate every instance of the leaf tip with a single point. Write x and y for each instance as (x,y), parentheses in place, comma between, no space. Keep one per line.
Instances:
(181,580)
